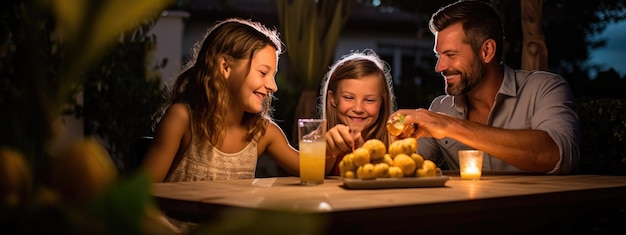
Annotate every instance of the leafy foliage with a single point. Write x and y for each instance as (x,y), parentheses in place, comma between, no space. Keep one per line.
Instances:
(47,46)
(311,30)
(603,122)
(47,49)
(29,82)
(120,96)
(125,208)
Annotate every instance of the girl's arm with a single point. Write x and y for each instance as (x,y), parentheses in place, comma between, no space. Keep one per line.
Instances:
(171,132)
(284,154)
(280,149)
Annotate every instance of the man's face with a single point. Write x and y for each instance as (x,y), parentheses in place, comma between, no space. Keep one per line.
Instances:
(460,66)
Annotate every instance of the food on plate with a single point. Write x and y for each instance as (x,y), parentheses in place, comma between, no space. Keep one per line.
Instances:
(361,156)
(406,163)
(381,170)
(349,175)
(347,163)
(411,143)
(429,164)
(402,160)
(428,169)
(403,146)
(419,159)
(387,159)
(376,148)
(366,172)
(395,172)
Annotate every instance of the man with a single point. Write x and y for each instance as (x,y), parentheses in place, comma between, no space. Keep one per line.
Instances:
(524,121)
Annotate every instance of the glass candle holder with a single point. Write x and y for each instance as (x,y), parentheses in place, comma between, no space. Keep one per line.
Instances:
(470,163)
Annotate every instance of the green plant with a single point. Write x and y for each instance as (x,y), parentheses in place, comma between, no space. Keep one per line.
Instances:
(120,96)
(47,49)
(603,123)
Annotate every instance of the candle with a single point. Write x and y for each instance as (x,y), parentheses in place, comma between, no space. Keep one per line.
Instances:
(470,173)
(471,162)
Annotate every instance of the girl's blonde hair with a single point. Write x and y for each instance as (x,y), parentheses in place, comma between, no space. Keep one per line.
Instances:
(355,66)
(203,87)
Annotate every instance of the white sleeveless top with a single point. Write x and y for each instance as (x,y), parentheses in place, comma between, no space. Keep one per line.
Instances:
(202,163)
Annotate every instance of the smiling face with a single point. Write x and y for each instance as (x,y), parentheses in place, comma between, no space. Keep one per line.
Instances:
(251,82)
(357,101)
(460,66)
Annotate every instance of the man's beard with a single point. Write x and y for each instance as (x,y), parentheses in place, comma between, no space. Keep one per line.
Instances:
(468,80)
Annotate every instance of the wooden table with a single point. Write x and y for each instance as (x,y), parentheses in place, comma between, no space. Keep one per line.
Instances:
(496,204)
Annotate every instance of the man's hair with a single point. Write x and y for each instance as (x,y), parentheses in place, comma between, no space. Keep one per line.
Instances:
(480,22)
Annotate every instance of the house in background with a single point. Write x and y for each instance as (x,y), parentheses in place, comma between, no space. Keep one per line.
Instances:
(400,38)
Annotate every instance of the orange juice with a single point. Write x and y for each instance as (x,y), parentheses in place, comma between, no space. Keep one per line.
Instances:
(312,162)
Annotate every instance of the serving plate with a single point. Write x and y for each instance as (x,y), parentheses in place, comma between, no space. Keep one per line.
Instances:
(408,182)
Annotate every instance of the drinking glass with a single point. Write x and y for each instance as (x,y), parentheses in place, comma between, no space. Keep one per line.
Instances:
(312,147)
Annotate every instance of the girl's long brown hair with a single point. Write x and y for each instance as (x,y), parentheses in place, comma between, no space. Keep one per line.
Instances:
(203,87)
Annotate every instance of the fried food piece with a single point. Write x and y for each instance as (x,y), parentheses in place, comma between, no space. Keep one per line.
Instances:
(395,126)
(412,143)
(381,170)
(361,156)
(387,159)
(429,164)
(349,175)
(406,163)
(428,169)
(395,172)
(404,146)
(419,160)
(366,171)
(397,147)
(425,172)
(347,163)
(376,148)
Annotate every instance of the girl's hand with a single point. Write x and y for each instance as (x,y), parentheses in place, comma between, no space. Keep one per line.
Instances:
(340,139)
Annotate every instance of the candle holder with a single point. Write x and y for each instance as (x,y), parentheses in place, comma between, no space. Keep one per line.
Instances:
(470,163)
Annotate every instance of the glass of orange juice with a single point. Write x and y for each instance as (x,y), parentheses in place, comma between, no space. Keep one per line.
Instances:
(312,148)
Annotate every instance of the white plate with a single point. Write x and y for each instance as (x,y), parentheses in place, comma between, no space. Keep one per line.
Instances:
(409,182)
